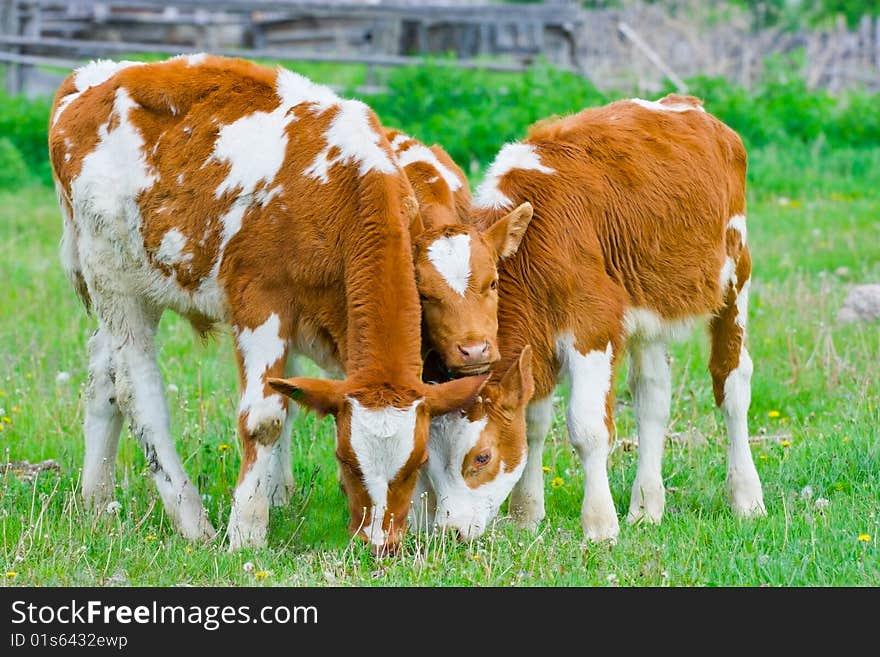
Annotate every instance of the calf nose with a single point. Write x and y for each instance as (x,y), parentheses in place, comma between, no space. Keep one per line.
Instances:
(474,353)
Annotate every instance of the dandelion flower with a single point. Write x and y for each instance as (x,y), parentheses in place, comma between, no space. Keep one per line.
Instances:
(189,549)
(558,482)
(545,469)
(113,507)
(173,389)
(476,557)
(763,457)
(62,378)
(864,538)
(261,574)
(149,538)
(773,414)
(807,492)
(821,504)
(16,409)
(7,419)
(785,443)
(248,567)
(223,448)
(11,574)
(2,426)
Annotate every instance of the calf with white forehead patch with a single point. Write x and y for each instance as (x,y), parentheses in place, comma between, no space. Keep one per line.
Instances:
(232,193)
(638,232)
(455,261)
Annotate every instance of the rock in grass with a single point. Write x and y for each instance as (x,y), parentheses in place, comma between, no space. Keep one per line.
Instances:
(861,304)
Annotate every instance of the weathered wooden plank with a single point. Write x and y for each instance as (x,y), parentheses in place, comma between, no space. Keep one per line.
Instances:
(94,48)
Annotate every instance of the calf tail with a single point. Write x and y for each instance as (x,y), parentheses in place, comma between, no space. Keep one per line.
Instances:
(70,259)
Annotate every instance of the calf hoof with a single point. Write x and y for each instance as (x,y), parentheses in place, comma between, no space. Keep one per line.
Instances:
(745,495)
(246,536)
(527,514)
(600,525)
(97,497)
(647,503)
(199,529)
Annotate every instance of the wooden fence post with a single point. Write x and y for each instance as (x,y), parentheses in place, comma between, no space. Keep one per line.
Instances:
(11,25)
(652,56)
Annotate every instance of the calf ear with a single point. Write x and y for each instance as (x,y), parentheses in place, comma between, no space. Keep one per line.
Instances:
(506,234)
(452,395)
(517,385)
(323,396)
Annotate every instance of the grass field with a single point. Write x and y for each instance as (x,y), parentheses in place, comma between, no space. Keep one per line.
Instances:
(814,418)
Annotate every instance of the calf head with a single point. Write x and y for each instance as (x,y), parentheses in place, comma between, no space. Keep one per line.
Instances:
(477,454)
(381,439)
(457,278)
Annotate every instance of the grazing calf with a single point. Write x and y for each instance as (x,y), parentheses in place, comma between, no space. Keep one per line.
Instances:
(638,232)
(236,194)
(455,262)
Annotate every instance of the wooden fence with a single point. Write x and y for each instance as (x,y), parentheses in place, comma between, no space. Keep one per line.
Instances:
(50,33)
(637,46)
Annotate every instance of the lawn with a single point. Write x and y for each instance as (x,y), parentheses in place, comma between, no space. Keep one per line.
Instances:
(814,420)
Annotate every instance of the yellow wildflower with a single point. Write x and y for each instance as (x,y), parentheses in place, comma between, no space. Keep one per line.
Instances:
(2,394)
(11,574)
(261,574)
(2,427)
(785,443)
(558,482)
(223,448)
(864,538)
(189,549)
(149,538)
(773,414)
(15,409)
(476,557)
(7,419)
(545,469)
(763,457)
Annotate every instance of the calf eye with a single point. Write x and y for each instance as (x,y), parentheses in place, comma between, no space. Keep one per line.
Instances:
(481,459)
(493,285)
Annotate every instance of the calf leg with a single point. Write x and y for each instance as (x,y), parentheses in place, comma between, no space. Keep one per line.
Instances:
(140,394)
(262,353)
(731,368)
(590,430)
(527,497)
(651,386)
(280,476)
(279,480)
(103,422)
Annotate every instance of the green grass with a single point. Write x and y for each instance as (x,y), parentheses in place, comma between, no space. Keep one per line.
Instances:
(820,377)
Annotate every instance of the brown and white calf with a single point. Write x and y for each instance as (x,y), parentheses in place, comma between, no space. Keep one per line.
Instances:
(639,231)
(237,194)
(455,261)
